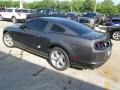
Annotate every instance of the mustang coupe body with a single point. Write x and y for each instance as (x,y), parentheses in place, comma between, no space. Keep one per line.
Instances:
(63,42)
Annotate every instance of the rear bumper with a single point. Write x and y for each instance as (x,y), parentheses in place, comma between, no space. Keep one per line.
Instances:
(88,65)
(96,60)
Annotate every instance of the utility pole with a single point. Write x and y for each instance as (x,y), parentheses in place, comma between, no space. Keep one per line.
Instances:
(57,3)
(21,3)
(71,6)
(95,5)
(12,2)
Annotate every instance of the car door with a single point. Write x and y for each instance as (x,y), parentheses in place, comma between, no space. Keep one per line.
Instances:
(38,28)
(25,35)
(30,35)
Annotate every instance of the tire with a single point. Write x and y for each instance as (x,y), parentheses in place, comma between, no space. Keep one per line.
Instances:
(116,35)
(14,20)
(1,18)
(59,59)
(7,40)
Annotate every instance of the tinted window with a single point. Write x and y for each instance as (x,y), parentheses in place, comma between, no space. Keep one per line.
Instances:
(56,28)
(36,24)
(51,12)
(21,10)
(42,11)
(8,10)
(76,27)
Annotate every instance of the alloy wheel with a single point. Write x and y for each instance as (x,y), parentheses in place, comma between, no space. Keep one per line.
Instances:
(14,20)
(116,35)
(58,59)
(8,41)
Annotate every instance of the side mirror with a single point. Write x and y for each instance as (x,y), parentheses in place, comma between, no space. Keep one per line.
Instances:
(22,26)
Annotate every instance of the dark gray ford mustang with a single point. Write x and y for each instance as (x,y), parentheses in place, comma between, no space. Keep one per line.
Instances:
(63,42)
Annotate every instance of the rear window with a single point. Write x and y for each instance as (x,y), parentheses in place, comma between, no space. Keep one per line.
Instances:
(21,11)
(77,27)
(56,28)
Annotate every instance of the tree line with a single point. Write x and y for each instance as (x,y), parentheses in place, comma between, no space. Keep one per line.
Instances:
(107,7)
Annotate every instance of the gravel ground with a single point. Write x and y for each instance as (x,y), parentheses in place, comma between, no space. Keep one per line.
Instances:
(21,70)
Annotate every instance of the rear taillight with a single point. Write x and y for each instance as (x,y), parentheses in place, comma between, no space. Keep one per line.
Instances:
(101,45)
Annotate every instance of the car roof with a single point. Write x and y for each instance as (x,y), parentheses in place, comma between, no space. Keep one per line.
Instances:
(55,19)
(71,25)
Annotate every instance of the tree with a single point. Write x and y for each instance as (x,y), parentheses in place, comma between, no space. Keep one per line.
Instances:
(118,6)
(88,6)
(107,7)
(77,5)
(64,6)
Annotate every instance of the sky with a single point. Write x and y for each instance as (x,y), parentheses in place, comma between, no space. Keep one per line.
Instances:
(115,1)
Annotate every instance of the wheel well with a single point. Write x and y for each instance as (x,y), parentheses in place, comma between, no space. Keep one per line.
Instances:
(57,46)
(5,32)
(13,17)
(115,31)
(61,48)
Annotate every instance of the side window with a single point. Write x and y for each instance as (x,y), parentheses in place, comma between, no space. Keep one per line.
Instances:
(36,24)
(56,28)
(9,10)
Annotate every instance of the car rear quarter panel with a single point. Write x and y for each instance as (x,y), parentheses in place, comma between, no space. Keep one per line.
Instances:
(74,46)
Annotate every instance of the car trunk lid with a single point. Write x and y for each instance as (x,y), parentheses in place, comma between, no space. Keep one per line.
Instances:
(92,35)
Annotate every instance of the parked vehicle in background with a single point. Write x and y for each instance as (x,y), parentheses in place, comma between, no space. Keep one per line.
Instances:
(32,10)
(115,16)
(64,42)
(52,13)
(2,9)
(114,32)
(113,22)
(14,14)
(72,16)
(102,19)
(48,11)
(44,13)
(91,19)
